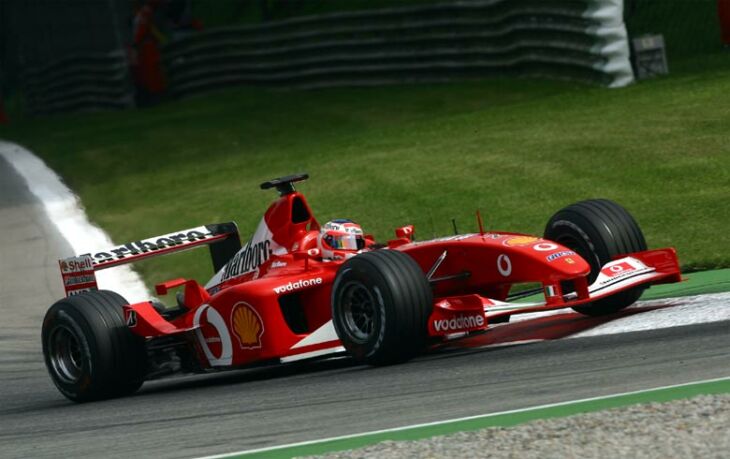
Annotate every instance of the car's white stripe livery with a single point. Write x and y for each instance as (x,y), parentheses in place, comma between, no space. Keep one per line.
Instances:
(323,334)
(310,355)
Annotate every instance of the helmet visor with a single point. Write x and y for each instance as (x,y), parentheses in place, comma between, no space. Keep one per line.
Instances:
(345,241)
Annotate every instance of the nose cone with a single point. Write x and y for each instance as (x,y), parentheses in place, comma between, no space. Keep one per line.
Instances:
(568,262)
(548,259)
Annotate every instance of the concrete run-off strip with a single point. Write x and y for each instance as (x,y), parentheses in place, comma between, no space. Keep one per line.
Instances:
(65,211)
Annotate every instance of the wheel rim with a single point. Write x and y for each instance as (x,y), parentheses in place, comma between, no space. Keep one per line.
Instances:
(65,354)
(358,312)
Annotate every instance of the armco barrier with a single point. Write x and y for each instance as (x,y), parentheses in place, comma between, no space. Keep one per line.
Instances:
(82,82)
(565,39)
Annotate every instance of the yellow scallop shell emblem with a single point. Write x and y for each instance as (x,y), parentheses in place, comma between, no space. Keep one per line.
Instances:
(247,326)
(520,240)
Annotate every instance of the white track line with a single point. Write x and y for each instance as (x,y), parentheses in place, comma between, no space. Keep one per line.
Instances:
(64,210)
(467,418)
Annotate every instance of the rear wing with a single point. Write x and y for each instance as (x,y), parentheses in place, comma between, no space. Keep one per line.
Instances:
(78,272)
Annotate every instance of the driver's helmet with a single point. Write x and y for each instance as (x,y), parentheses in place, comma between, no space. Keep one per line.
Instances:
(340,239)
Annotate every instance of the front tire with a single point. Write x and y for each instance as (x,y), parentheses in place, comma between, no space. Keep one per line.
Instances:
(88,349)
(381,302)
(599,230)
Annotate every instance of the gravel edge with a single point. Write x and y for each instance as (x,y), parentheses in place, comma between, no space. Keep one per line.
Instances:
(696,427)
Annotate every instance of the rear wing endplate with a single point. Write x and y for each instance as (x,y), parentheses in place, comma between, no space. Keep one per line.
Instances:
(222,239)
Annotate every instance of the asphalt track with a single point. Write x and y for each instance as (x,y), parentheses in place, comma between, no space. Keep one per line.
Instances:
(202,415)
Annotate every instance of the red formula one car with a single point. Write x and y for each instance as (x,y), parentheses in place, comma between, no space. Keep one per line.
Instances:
(299,290)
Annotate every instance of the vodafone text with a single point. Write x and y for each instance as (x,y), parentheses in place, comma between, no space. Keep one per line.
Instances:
(291,286)
(459,323)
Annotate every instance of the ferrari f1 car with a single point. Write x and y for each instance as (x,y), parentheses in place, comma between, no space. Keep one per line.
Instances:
(279,299)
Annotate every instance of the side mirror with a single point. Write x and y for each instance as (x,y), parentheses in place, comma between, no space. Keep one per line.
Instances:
(405,232)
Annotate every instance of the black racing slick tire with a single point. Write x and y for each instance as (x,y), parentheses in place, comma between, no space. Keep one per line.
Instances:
(89,351)
(599,230)
(381,302)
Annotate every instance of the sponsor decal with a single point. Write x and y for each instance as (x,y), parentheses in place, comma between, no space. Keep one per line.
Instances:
(131,319)
(504,265)
(613,271)
(457,237)
(80,264)
(545,247)
(291,286)
(493,236)
(153,244)
(213,336)
(278,264)
(248,259)
(570,261)
(259,249)
(458,323)
(520,241)
(247,326)
(620,270)
(77,280)
(564,253)
(77,274)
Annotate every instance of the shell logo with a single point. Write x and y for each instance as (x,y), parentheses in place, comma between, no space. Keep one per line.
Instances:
(520,241)
(247,326)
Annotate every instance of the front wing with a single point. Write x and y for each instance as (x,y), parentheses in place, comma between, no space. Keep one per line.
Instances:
(455,316)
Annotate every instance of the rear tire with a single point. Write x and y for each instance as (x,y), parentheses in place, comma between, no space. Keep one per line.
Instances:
(599,230)
(89,351)
(381,302)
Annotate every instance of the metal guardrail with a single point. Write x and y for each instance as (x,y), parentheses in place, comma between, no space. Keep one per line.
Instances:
(81,82)
(565,39)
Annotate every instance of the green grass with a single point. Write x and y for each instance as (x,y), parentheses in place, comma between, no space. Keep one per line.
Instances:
(516,149)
